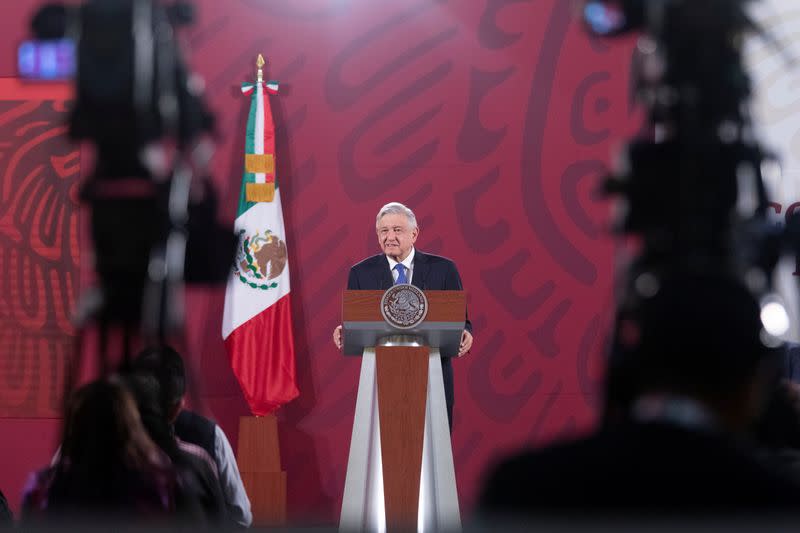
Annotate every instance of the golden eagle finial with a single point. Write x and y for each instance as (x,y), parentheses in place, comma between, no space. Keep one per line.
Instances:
(260,64)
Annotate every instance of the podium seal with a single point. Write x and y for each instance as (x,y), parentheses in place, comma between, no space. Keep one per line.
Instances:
(404,306)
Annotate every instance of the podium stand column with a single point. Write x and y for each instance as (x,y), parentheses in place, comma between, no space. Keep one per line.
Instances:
(402,375)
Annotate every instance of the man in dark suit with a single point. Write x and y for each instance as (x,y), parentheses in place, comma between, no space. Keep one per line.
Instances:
(397,230)
(695,375)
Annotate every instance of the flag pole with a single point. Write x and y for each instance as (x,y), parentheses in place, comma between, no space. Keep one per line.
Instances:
(261,192)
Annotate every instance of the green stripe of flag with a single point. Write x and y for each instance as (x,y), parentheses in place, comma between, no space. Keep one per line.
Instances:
(249,148)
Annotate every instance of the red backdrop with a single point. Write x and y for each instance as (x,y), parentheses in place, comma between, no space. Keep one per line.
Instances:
(492,119)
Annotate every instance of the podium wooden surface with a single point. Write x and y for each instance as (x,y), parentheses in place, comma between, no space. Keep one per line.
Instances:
(442,327)
(365,306)
(259,462)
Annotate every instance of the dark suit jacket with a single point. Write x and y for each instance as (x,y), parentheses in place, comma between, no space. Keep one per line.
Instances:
(791,360)
(197,429)
(431,272)
(651,468)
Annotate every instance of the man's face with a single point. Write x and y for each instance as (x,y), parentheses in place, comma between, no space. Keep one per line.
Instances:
(396,236)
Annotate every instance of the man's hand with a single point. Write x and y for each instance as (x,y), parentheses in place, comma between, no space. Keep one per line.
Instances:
(337,337)
(466,343)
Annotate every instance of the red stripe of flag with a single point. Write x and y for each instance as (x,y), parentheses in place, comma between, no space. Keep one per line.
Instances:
(262,357)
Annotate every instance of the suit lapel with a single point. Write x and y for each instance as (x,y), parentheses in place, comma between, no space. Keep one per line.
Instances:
(382,274)
(420,270)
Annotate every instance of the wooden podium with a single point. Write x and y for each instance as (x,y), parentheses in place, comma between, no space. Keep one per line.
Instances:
(400,473)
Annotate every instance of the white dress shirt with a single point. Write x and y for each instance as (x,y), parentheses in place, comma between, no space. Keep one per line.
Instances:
(408,262)
(236,500)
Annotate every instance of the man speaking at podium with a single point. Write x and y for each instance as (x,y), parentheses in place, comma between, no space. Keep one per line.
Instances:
(400,262)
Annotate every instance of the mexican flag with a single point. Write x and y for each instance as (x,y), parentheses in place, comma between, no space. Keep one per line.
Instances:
(257,321)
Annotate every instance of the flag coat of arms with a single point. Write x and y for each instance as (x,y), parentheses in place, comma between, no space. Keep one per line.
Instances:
(257,320)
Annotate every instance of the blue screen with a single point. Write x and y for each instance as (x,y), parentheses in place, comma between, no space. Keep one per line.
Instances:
(604,19)
(47,60)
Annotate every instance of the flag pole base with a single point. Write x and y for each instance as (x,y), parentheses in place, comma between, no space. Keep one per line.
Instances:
(260,466)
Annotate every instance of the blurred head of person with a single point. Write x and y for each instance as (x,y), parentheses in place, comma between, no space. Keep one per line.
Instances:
(108,465)
(165,364)
(146,392)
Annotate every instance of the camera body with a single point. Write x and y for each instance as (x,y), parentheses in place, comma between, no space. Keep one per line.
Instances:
(143,111)
(692,188)
(697,308)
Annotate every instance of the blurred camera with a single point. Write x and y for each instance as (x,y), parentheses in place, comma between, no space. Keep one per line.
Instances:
(691,187)
(153,208)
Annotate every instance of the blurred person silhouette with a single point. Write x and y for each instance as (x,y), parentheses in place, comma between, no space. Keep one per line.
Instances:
(108,469)
(791,362)
(619,390)
(6,516)
(691,374)
(167,365)
(198,495)
(777,431)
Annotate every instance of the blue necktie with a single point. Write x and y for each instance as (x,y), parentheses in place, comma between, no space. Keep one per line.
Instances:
(401,274)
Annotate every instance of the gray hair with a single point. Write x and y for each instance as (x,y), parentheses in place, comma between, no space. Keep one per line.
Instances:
(396,208)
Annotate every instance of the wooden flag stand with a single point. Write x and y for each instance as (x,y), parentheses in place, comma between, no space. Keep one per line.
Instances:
(260,465)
